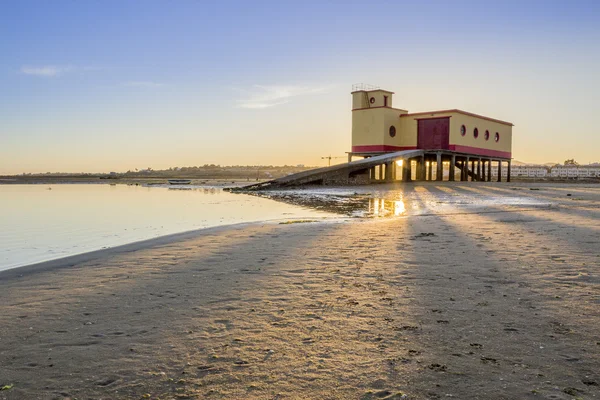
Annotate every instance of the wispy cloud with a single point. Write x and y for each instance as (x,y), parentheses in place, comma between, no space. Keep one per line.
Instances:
(270,96)
(144,84)
(47,71)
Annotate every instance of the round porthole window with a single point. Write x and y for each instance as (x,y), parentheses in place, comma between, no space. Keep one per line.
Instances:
(487,135)
(372,100)
(497,137)
(392,131)
(463,130)
(475,133)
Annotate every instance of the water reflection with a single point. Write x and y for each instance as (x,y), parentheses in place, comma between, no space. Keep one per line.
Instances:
(38,224)
(205,190)
(396,202)
(384,208)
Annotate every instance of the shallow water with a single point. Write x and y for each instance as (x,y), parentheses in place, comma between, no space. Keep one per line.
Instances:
(45,222)
(410,200)
(41,222)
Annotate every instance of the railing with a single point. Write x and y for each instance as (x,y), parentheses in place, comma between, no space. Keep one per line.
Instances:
(363,86)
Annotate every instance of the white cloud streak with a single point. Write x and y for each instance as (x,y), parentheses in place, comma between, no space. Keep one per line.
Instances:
(270,96)
(47,71)
(144,84)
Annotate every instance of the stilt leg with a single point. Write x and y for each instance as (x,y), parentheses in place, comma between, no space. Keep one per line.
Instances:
(499,170)
(406,171)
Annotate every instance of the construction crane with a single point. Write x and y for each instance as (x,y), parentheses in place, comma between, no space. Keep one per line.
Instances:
(328,158)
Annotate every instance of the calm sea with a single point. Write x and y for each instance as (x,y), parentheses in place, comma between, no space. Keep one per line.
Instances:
(45,222)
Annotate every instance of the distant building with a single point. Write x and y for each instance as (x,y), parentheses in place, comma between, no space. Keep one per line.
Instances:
(575,171)
(524,171)
(555,172)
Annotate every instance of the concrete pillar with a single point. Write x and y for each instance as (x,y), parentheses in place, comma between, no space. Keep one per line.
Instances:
(388,172)
(473,177)
(381,171)
(508,172)
(439,173)
(483,170)
(467,169)
(430,171)
(479,169)
(451,172)
(499,170)
(406,171)
(489,174)
(416,170)
(349,157)
(422,168)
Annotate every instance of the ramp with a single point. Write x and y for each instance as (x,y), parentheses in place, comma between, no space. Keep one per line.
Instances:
(341,173)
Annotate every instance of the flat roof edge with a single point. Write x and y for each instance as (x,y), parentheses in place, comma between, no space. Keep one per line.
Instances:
(459,112)
(374,90)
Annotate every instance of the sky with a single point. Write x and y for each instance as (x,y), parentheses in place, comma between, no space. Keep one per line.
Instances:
(92,86)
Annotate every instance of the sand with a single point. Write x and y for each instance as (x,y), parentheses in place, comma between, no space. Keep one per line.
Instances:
(497,304)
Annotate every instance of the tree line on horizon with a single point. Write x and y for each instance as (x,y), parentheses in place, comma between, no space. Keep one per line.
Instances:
(195,171)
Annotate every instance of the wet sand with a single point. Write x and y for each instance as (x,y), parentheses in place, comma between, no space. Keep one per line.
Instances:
(500,303)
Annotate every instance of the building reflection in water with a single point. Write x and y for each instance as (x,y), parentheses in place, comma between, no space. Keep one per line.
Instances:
(386,208)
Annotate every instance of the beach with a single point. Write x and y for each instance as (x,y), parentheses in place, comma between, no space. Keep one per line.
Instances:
(497,302)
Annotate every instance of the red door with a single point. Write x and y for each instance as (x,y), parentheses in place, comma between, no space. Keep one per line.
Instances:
(433,133)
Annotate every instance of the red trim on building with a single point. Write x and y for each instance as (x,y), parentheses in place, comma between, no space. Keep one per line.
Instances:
(380,148)
(479,151)
(368,108)
(457,111)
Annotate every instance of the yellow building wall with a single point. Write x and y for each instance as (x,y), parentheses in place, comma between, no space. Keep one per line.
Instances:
(367,127)
(370,127)
(471,122)
(362,99)
(406,135)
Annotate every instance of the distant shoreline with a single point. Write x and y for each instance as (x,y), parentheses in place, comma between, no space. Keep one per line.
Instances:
(213,180)
(50,180)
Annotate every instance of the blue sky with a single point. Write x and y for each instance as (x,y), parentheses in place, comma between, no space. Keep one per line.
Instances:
(101,85)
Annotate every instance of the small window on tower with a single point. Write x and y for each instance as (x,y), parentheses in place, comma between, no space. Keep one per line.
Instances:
(487,135)
(392,131)
(385,101)
(475,133)
(497,137)
(463,130)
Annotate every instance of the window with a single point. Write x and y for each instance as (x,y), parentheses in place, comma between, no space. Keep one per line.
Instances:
(497,137)
(392,131)
(487,135)
(463,130)
(385,101)
(372,100)
(475,133)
